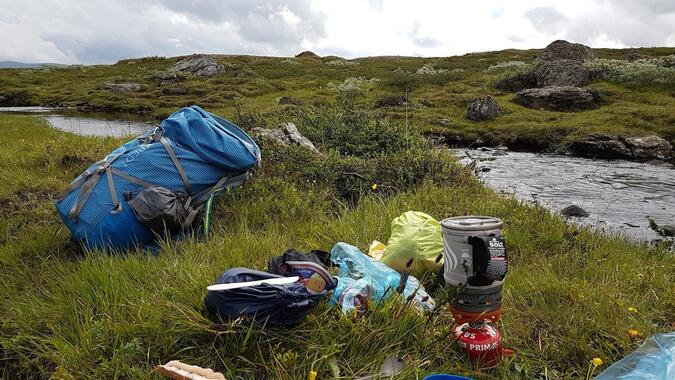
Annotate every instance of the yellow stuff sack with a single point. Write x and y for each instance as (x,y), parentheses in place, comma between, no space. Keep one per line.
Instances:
(418,236)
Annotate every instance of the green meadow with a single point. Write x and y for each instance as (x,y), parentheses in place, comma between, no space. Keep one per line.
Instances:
(571,293)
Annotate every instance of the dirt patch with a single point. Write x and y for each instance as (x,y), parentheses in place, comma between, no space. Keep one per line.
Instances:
(25,198)
(74,161)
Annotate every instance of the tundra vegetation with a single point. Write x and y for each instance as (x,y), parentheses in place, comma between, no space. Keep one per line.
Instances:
(571,295)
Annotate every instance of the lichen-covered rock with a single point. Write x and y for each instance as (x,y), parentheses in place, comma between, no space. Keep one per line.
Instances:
(122,87)
(286,134)
(557,98)
(561,49)
(199,65)
(562,72)
(482,109)
(649,147)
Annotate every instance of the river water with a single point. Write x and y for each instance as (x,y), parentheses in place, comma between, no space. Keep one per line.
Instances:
(619,195)
(85,124)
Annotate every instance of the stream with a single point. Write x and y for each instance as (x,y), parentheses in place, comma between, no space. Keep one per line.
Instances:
(619,195)
(86,124)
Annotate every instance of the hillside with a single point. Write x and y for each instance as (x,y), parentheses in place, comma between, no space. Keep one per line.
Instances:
(433,93)
(571,293)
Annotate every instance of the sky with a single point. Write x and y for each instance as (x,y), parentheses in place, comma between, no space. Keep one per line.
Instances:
(105,31)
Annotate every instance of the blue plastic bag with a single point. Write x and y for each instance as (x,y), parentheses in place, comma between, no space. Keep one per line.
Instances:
(362,278)
(653,360)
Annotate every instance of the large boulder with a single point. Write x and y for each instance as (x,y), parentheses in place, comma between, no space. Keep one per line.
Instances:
(562,49)
(286,134)
(199,65)
(482,109)
(604,145)
(557,98)
(122,87)
(562,72)
(561,63)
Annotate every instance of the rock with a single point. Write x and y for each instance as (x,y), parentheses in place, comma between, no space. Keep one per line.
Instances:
(574,211)
(517,82)
(632,55)
(649,147)
(442,122)
(286,134)
(289,100)
(199,65)
(391,100)
(482,109)
(562,72)
(561,49)
(604,145)
(668,230)
(600,145)
(308,54)
(122,87)
(557,98)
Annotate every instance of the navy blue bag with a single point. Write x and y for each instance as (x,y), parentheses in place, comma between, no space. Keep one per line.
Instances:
(276,305)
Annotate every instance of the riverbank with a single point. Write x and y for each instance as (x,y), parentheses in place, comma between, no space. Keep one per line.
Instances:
(567,297)
(431,95)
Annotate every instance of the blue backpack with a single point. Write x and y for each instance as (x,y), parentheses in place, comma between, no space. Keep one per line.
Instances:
(158,184)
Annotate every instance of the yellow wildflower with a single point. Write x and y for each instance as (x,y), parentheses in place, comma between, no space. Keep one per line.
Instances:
(312,375)
(632,309)
(374,187)
(597,362)
(633,333)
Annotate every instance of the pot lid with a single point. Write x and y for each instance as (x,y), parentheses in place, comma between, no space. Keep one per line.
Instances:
(472,223)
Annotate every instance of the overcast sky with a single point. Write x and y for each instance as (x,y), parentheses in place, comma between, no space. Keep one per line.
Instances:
(104,31)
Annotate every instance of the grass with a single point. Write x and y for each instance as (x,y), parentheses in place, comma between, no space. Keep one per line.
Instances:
(67,314)
(631,110)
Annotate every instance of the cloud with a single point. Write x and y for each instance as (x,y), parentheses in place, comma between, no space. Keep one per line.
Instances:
(546,19)
(100,31)
(104,31)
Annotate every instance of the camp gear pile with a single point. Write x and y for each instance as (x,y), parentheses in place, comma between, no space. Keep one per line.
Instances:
(157,184)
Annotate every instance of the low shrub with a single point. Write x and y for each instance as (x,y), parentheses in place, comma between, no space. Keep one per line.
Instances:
(508,65)
(659,72)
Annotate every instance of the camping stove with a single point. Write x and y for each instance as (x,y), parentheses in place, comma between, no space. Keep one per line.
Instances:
(474,261)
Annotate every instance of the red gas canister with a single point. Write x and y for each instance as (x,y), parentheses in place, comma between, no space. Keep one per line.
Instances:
(481,342)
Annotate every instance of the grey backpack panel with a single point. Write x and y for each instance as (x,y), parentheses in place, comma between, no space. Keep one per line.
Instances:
(160,209)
